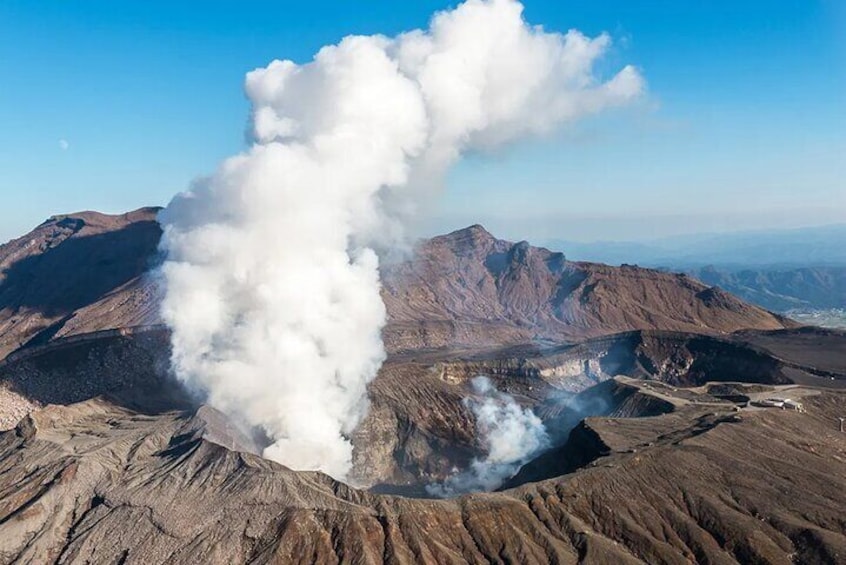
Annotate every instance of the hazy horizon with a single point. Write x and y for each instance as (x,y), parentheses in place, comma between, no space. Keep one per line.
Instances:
(628,229)
(586,230)
(742,124)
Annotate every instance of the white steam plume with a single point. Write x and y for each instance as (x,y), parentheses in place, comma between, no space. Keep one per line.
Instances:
(511,436)
(271,275)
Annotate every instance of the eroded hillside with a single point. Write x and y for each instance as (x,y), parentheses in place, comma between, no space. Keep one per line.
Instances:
(654,456)
(96,272)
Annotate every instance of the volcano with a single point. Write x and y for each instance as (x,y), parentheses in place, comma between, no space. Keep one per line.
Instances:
(646,380)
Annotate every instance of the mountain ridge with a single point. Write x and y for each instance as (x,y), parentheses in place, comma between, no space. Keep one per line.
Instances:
(98,272)
(471,276)
(105,459)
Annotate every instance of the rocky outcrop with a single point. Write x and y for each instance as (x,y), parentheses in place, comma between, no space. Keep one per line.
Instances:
(112,462)
(93,482)
(464,289)
(504,292)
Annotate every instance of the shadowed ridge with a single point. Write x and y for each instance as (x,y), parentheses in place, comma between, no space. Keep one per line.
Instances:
(77,261)
(464,288)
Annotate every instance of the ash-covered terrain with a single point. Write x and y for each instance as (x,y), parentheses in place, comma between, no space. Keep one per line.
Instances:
(656,394)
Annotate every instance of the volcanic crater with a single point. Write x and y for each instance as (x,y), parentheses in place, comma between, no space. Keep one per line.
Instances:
(645,381)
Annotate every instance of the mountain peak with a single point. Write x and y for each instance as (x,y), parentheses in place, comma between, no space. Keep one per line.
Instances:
(470,240)
(475,231)
(91,217)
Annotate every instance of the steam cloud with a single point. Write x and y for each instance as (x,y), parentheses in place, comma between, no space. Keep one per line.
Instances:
(272,280)
(511,436)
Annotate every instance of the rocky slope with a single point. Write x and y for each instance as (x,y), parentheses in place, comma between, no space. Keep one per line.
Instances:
(76,274)
(105,460)
(422,429)
(93,272)
(99,483)
(418,428)
(454,309)
(470,288)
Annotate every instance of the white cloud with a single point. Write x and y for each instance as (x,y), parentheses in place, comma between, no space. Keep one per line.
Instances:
(64,145)
(511,436)
(272,272)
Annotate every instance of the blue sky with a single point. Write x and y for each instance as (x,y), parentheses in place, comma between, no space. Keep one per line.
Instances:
(744,125)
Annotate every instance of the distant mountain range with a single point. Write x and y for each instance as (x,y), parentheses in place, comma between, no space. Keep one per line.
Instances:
(781,289)
(781,270)
(472,288)
(802,247)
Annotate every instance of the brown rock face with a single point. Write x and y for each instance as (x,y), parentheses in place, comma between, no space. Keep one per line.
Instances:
(106,460)
(88,271)
(469,288)
(76,274)
(101,481)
